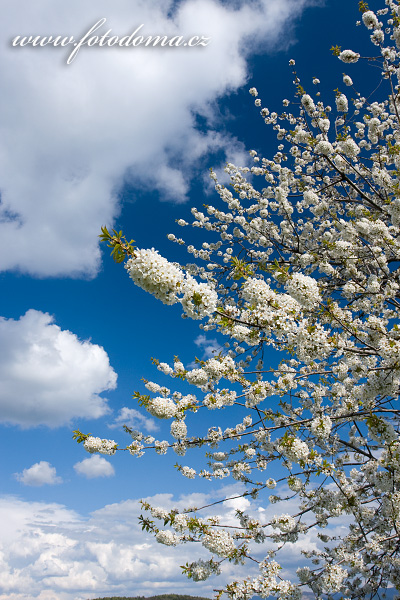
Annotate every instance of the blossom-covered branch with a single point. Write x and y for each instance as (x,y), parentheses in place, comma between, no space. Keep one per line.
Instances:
(302,259)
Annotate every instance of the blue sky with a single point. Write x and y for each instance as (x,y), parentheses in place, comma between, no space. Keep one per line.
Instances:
(120,138)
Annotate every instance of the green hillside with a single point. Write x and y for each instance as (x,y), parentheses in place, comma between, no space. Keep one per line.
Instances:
(161,597)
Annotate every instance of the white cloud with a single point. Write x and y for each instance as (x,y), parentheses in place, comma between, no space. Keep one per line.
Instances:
(134,419)
(70,135)
(95,466)
(48,375)
(48,552)
(208,347)
(41,473)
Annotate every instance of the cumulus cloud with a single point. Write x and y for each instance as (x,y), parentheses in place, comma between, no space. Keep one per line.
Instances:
(95,466)
(72,135)
(41,473)
(207,346)
(48,375)
(134,419)
(48,552)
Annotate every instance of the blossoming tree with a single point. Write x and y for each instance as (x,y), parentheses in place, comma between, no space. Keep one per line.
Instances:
(304,259)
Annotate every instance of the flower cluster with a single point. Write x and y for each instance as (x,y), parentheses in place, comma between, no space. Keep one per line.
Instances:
(154,274)
(199,300)
(202,570)
(348,56)
(285,523)
(294,449)
(167,282)
(304,289)
(167,538)
(219,542)
(321,426)
(162,408)
(178,429)
(96,444)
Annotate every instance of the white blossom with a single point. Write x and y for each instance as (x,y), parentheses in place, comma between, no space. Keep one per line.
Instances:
(162,408)
(219,542)
(188,472)
(321,426)
(285,523)
(342,104)
(155,274)
(178,429)
(96,444)
(348,56)
(324,147)
(308,103)
(167,538)
(294,449)
(370,19)
(304,289)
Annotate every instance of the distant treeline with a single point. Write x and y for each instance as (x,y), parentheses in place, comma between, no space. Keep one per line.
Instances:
(161,597)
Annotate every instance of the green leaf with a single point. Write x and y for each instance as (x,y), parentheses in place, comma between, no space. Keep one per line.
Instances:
(79,436)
